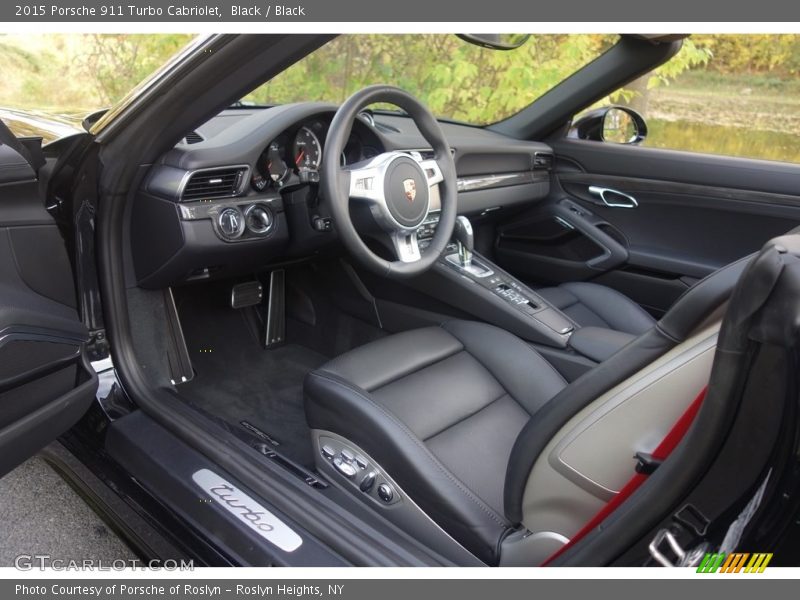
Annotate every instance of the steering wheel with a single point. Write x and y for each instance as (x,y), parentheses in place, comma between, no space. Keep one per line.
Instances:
(396,185)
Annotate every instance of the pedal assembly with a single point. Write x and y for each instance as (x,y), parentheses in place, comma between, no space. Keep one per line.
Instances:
(271,311)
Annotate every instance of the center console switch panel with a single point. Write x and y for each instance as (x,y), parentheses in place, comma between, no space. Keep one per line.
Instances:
(498,297)
(527,301)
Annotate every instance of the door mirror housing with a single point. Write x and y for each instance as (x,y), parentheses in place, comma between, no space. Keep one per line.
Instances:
(613,124)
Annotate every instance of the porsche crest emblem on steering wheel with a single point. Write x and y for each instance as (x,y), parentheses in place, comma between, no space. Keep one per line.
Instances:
(410,187)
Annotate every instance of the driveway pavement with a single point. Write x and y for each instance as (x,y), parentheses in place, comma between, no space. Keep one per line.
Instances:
(41,514)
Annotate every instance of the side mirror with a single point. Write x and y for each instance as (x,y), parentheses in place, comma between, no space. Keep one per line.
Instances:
(496,41)
(615,124)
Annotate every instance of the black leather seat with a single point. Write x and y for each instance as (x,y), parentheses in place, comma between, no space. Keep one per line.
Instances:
(593,305)
(458,414)
(444,405)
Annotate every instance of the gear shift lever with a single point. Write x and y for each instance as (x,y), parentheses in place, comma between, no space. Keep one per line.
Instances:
(465,241)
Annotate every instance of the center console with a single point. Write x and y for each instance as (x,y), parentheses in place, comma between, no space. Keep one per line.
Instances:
(493,295)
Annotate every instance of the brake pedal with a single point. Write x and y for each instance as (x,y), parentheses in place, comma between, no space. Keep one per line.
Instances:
(247,294)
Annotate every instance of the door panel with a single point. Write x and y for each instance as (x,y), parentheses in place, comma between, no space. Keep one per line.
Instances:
(44,386)
(695,214)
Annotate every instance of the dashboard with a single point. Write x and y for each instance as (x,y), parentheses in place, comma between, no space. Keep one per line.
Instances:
(241,191)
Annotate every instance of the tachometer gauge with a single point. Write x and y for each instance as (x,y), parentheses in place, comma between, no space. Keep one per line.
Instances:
(307,150)
(270,167)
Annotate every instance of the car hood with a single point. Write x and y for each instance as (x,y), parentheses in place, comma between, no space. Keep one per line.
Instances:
(50,127)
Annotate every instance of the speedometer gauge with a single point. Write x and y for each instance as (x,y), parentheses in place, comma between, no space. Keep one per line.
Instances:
(307,150)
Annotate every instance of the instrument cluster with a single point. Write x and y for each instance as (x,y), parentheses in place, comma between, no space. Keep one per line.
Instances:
(294,157)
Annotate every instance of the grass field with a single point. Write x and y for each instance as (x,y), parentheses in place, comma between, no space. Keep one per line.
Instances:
(751,116)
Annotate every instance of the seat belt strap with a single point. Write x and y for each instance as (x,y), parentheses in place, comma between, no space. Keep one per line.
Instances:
(662,451)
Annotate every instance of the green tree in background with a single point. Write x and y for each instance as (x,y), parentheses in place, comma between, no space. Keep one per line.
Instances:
(70,73)
(114,64)
(455,79)
(732,94)
(637,93)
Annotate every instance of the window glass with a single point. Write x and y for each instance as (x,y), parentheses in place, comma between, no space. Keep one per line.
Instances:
(736,95)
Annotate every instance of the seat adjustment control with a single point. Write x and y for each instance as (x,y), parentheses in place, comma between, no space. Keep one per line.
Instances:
(367,481)
(385,492)
(344,467)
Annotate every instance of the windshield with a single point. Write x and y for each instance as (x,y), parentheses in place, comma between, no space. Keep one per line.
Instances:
(455,79)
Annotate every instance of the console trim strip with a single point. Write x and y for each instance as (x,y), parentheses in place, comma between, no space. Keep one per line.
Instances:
(482,182)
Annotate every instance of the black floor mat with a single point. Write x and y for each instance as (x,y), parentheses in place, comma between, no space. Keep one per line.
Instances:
(237,380)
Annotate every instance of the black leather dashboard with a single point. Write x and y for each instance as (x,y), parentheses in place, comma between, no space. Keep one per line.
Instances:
(240,192)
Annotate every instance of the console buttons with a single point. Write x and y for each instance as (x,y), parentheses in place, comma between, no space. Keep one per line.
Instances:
(361,461)
(323,224)
(327,452)
(367,481)
(309,176)
(385,493)
(345,468)
(347,455)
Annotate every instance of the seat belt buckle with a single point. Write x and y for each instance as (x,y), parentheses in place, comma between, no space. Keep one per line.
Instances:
(667,551)
(646,464)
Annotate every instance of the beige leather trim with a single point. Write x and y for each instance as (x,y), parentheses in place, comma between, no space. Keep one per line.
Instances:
(591,458)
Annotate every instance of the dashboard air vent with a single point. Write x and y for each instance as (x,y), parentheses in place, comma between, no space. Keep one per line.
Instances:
(213,183)
(542,160)
(193,138)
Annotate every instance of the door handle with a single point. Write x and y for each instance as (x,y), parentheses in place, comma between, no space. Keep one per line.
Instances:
(613,198)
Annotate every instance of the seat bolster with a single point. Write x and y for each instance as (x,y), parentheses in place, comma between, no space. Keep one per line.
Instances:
(375,364)
(523,373)
(334,404)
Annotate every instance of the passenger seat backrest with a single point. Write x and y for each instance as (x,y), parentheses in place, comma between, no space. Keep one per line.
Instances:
(591,458)
(689,313)
(556,478)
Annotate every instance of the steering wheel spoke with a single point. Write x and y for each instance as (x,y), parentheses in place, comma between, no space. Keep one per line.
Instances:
(432,171)
(406,246)
(366,181)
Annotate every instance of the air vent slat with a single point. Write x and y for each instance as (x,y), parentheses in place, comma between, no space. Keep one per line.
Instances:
(194,138)
(216,183)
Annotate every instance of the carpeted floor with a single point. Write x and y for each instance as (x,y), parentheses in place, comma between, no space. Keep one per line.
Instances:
(236,379)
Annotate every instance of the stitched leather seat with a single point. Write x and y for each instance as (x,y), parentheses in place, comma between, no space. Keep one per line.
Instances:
(443,405)
(458,414)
